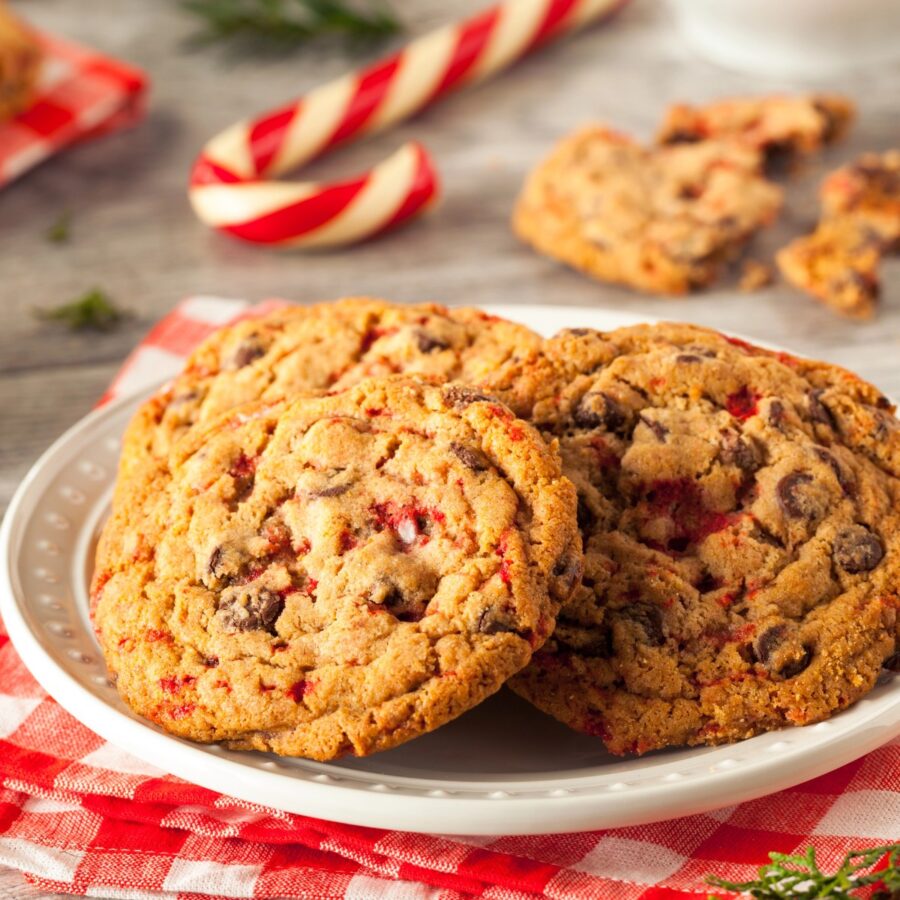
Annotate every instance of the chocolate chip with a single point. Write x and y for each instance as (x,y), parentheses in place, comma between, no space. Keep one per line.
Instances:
(792,498)
(650,620)
(892,663)
(597,409)
(460,396)
(215,559)
(334,490)
(738,451)
(471,459)
(248,608)
(773,649)
(659,430)
(776,414)
(762,536)
(856,549)
(428,343)
(569,568)
(884,403)
(493,621)
(687,358)
(681,136)
(246,351)
(390,596)
(576,332)
(818,411)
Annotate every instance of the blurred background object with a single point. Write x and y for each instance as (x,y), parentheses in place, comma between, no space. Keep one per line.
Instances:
(800,38)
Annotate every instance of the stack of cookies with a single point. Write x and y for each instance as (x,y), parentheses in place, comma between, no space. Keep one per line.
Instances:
(344,525)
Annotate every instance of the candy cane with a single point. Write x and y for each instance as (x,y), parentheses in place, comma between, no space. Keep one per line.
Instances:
(231,187)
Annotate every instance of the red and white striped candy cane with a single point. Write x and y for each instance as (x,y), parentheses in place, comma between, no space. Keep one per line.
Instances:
(232,186)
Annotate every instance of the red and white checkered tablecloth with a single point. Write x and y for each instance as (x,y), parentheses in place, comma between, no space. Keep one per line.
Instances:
(81,94)
(78,815)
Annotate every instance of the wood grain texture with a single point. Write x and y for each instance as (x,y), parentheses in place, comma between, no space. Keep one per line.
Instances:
(134,235)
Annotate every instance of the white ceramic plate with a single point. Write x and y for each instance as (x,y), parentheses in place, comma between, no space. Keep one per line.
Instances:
(501,769)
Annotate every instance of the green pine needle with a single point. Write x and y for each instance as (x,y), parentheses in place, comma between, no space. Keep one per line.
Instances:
(94,311)
(61,230)
(291,22)
(799,877)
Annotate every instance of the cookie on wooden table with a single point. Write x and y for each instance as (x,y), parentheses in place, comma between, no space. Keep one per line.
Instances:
(338,574)
(740,512)
(663,220)
(774,125)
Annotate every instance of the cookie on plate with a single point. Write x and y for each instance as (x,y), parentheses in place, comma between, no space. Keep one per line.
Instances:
(774,125)
(839,262)
(740,511)
(20,62)
(663,220)
(337,574)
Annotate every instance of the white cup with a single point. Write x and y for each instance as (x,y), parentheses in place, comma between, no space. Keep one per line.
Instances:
(804,38)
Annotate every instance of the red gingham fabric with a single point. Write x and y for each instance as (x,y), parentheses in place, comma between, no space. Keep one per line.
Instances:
(81,94)
(78,815)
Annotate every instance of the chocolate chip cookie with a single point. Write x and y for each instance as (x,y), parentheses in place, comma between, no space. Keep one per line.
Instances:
(775,125)
(740,512)
(663,220)
(839,262)
(336,574)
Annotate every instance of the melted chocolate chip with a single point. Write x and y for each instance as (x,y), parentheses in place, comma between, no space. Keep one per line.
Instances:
(794,501)
(769,650)
(460,396)
(492,621)
(660,432)
(687,358)
(738,451)
(857,549)
(215,559)
(334,490)
(245,353)
(776,414)
(249,609)
(597,409)
(818,411)
(471,459)
(428,343)
(650,620)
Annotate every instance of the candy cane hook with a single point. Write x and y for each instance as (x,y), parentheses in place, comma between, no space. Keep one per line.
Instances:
(232,185)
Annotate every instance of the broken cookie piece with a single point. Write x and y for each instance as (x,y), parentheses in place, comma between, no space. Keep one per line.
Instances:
(663,220)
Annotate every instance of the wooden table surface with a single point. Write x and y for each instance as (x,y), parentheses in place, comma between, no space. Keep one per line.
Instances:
(134,235)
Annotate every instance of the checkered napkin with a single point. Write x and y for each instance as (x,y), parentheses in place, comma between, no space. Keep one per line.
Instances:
(80,816)
(81,94)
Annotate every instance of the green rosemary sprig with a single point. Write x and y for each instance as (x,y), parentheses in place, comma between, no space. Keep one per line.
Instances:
(291,22)
(93,310)
(61,229)
(799,877)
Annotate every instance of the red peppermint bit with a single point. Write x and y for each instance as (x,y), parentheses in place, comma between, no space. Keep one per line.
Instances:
(100,582)
(787,359)
(174,683)
(346,541)
(181,712)
(515,433)
(299,689)
(487,317)
(596,727)
(266,688)
(280,647)
(743,403)
(505,567)
(154,635)
(657,382)
(409,522)
(500,412)
(375,411)
(286,592)
(746,346)
(738,635)
(725,600)
(459,483)
(251,574)
(303,547)
(372,335)
(681,500)
(310,587)
(126,643)
(278,537)
(243,467)
(223,684)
